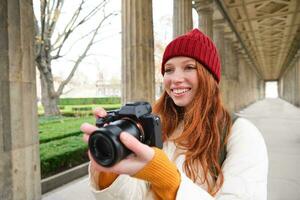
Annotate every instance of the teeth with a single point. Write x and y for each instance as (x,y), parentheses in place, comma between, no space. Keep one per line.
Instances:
(180,91)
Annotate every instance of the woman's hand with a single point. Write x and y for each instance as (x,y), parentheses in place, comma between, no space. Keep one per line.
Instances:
(130,165)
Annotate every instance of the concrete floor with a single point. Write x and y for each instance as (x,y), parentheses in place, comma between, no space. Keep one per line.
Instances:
(279,123)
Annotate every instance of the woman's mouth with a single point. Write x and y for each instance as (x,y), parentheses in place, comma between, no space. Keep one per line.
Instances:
(180,91)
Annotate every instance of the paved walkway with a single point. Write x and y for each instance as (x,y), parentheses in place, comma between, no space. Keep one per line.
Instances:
(279,123)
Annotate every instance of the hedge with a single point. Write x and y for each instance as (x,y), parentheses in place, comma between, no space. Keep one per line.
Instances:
(65,127)
(84,101)
(59,155)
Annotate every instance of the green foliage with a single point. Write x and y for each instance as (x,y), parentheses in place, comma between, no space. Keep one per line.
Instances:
(86,101)
(61,144)
(52,119)
(80,110)
(61,128)
(59,155)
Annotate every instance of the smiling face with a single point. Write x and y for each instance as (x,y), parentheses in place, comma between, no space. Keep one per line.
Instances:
(181,80)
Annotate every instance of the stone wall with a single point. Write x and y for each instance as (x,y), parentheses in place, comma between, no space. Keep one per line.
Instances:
(289,83)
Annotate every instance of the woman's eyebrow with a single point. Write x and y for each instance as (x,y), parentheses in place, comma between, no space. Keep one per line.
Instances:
(168,64)
(189,62)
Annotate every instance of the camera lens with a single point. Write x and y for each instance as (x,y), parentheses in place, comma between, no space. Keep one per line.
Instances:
(103,149)
(105,145)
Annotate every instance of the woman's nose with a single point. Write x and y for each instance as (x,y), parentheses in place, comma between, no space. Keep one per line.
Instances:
(178,76)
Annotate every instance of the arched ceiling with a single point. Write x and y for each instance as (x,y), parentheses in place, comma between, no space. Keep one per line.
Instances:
(269,30)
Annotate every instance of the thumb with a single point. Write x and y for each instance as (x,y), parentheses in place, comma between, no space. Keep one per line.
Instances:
(140,149)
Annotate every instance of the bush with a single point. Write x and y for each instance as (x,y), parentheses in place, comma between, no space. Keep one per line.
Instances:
(85,101)
(61,107)
(62,128)
(59,155)
(82,108)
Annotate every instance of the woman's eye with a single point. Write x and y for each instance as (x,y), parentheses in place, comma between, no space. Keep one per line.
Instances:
(168,70)
(190,67)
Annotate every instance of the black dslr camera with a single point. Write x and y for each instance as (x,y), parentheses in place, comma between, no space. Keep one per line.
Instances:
(134,118)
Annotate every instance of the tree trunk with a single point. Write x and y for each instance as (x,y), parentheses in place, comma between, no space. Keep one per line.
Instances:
(49,102)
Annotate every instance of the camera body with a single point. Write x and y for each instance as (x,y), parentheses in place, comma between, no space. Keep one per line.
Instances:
(134,118)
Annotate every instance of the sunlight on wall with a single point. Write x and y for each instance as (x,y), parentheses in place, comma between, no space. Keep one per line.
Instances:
(271,89)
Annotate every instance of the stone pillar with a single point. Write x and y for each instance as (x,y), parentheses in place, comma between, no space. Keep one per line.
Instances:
(138,72)
(231,63)
(293,81)
(219,40)
(182,17)
(247,80)
(19,141)
(280,88)
(298,79)
(262,89)
(205,11)
(242,77)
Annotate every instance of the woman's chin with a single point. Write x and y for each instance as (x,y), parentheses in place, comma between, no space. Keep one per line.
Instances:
(181,103)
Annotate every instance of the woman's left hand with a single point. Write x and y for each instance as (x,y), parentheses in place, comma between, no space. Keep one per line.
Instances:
(130,165)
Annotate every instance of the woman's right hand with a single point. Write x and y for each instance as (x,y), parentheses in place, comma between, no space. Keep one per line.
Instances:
(142,153)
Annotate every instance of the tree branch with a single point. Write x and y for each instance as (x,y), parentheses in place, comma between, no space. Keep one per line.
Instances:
(55,13)
(81,57)
(72,26)
(68,26)
(43,14)
(71,47)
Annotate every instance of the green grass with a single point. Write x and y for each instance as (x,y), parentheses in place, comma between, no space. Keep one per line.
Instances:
(69,108)
(62,127)
(61,144)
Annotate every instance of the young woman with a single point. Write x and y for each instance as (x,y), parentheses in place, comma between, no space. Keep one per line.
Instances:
(204,156)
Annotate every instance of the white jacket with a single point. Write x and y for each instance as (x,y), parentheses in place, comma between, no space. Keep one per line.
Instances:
(245,172)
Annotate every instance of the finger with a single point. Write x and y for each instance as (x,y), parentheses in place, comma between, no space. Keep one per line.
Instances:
(86,138)
(140,149)
(88,128)
(99,112)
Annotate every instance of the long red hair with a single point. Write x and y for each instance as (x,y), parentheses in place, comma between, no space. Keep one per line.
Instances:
(207,126)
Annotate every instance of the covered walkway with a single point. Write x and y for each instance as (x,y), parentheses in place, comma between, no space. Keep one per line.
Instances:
(258,41)
(279,122)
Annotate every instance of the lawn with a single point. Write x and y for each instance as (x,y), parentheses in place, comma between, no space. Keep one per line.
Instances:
(85,109)
(62,127)
(61,144)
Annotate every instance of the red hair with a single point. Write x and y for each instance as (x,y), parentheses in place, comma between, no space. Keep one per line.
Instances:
(207,126)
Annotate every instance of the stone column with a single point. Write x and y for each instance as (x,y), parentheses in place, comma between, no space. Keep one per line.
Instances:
(248,76)
(298,79)
(19,141)
(182,17)
(219,39)
(262,89)
(231,64)
(138,81)
(242,85)
(205,11)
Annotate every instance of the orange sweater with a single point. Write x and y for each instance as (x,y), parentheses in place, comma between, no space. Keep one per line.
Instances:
(160,172)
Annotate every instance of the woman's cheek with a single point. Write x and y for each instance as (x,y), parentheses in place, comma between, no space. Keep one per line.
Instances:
(166,82)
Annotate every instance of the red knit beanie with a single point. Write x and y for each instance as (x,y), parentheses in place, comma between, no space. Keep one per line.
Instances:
(197,45)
